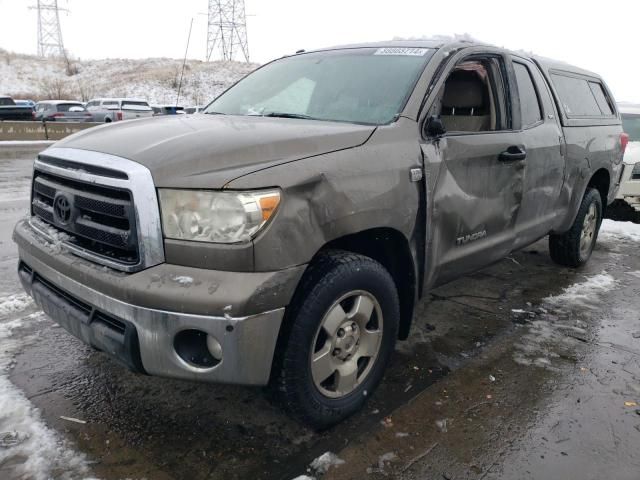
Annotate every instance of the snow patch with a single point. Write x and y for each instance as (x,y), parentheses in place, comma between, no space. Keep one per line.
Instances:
(553,336)
(15,304)
(324,462)
(33,450)
(585,293)
(183,280)
(620,231)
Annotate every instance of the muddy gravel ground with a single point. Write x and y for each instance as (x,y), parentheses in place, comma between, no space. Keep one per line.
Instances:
(524,370)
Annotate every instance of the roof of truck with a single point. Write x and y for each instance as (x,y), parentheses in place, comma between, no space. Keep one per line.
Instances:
(453,43)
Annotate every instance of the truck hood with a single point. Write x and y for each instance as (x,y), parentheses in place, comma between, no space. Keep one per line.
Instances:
(208,151)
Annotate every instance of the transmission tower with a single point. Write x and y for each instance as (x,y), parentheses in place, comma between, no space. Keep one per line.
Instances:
(49,32)
(227,32)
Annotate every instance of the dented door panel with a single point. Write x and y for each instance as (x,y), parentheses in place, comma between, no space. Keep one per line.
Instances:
(473,199)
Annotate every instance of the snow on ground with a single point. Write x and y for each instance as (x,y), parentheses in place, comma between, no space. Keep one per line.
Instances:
(155,79)
(321,465)
(584,293)
(619,231)
(28,447)
(14,304)
(553,333)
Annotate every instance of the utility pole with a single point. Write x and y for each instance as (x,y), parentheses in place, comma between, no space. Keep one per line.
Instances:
(227,30)
(49,32)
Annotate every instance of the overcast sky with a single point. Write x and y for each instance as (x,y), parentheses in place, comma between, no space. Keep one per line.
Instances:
(602,36)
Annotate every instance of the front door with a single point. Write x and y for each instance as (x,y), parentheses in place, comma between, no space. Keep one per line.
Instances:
(474,171)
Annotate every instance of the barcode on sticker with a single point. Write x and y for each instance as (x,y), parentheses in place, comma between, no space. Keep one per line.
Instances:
(413,52)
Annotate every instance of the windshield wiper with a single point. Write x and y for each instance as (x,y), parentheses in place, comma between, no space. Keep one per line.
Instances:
(288,115)
(214,113)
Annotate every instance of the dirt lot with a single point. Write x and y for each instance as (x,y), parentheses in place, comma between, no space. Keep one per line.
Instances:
(523,370)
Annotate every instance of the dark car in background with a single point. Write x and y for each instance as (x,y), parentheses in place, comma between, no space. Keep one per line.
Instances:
(167,110)
(9,110)
(62,111)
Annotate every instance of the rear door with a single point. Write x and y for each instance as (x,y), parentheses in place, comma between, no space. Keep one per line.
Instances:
(474,171)
(542,139)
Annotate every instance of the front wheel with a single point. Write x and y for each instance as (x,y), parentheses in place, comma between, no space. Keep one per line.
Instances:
(574,248)
(343,327)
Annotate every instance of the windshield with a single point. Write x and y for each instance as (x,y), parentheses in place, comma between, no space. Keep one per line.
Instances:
(6,101)
(365,85)
(631,125)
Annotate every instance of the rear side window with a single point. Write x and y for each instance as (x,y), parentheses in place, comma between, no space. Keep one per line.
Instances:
(529,103)
(601,98)
(578,98)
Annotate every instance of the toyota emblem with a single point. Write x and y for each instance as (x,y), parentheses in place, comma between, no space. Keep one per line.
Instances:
(62,209)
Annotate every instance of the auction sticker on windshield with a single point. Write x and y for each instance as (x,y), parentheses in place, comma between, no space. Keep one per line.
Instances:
(414,52)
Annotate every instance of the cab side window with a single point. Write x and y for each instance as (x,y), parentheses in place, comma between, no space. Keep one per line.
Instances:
(473,97)
(582,96)
(529,100)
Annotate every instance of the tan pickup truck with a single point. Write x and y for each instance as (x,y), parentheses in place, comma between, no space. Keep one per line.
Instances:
(284,236)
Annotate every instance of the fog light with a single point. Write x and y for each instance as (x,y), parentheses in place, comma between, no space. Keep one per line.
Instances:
(197,348)
(215,349)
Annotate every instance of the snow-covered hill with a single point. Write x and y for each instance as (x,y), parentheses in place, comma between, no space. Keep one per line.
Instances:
(155,79)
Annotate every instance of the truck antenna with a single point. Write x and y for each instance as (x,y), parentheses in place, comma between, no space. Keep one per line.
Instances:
(184,62)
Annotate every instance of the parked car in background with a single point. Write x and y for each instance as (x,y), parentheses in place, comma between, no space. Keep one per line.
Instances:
(29,103)
(109,110)
(284,236)
(167,110)
(629,191)
(62,111)
(9,110)
(192,110)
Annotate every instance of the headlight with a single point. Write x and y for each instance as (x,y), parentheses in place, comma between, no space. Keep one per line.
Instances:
(216,216)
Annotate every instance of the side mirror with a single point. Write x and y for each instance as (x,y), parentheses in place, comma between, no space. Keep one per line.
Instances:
(434,127)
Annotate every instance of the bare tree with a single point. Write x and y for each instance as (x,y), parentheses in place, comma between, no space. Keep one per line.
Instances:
(55,88)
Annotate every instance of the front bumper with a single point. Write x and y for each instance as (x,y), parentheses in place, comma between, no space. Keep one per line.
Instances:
(142,336)
(629,190)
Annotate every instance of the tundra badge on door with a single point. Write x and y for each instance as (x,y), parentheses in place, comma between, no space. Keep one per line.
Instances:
(472,237)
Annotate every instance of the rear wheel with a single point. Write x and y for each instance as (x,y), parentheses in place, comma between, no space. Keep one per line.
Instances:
(343,326)
(574,248)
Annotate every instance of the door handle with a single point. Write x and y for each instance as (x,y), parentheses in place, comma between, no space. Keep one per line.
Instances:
(513,154)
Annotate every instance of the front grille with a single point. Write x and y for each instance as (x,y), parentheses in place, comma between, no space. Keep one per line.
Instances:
(97,218)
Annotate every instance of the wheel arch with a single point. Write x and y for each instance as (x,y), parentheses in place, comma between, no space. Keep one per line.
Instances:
(601,181)
(390,248)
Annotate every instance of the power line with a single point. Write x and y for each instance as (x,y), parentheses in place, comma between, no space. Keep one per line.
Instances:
(49,32)
(227,30)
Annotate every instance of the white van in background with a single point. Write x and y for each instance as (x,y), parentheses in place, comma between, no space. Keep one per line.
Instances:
(114,109)
(630,182)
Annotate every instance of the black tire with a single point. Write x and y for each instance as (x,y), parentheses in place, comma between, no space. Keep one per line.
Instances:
(565,249)
(331,275)
(107,120)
